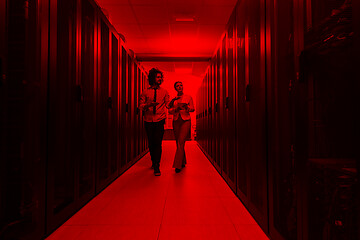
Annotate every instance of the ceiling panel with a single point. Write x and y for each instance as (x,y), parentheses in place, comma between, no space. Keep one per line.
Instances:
(148,2)
(206,33)
(138,45)
(215,15)
(120,14)
(152,27)
(151,14)
(221,2)
(129,31)
(188,3)
(181,10)
(159,46)
(163,66)
(156,31)
(118,2)
(184,30)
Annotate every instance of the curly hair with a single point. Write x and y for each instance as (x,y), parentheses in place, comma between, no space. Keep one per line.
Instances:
(152,75)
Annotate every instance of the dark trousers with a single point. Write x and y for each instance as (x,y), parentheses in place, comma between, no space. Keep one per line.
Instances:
(155,133)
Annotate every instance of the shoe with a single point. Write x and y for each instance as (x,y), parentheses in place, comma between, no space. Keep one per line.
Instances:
(177,170)
(157,172)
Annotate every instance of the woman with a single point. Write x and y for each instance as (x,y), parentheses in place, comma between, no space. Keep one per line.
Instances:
(180,107)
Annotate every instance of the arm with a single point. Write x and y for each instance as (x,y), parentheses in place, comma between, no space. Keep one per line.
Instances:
(145,105)
(171,103)
(173,108)
(167,100)
(190,106)
(172,111)
(142,102)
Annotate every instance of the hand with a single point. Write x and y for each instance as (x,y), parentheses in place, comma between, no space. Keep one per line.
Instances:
(183,106)
(171,104)
(151,104)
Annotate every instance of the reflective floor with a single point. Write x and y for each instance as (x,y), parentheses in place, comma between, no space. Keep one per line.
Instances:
(193,204)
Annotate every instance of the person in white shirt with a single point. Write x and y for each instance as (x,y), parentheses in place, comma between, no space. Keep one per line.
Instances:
(180,107)
(153,102)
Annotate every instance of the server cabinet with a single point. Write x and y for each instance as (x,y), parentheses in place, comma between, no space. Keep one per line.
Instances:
(113,106)
(208,110)
(223,113)
(141,120)
(86,101)
(144,84)
(146,142)
(59,91)
(106,108)
(217,159)
(213,110)
(62,145)
(136,111)
(256,111)
(280,83)
(142,130)
(22,118)
(203,114)
(198,130)
(241,110)
(326,127)
(3,114)
(130,110)
(123,108)
(142,135)
(102,121)
(230,104)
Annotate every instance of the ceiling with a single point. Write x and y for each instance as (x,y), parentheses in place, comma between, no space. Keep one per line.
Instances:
(160,32)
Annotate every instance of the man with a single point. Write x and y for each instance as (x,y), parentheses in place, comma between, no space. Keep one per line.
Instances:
(153,102)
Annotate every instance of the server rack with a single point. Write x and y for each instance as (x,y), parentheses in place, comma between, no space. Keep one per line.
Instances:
(249,89)
(64,75)
(329,155)
(281,75)
(136,114)
(295,145)
(123,107)
(229,105)
(113,105)
(22,118)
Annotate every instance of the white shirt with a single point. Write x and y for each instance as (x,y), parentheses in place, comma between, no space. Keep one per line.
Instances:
(162,97)
(184,113)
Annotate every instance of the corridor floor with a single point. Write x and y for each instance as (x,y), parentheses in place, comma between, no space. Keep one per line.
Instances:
(193,204)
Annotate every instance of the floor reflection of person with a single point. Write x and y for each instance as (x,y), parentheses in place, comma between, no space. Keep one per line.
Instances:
(180,107)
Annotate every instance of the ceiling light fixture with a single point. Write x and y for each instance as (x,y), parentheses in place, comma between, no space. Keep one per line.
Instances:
(188,19)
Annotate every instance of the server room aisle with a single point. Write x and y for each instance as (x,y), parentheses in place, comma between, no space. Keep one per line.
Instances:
(193,204)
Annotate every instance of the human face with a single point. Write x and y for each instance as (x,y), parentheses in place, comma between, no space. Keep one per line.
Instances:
(158,78)
(179,87)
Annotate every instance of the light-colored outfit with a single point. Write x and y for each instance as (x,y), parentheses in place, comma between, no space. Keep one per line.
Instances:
(185,115)
(181,126)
